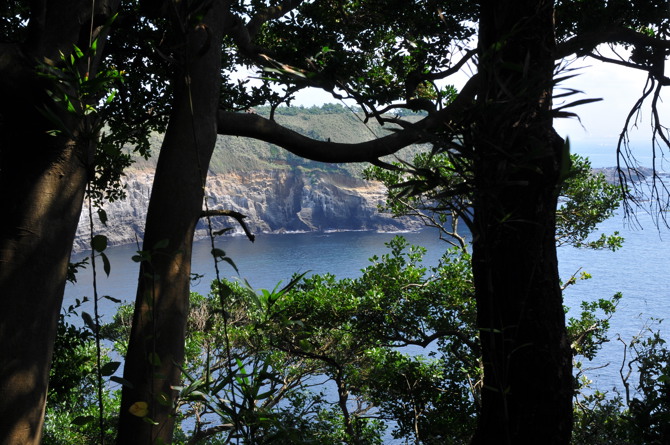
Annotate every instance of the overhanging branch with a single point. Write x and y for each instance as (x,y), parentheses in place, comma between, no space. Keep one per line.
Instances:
(258,127)
(231,214)
(584,43)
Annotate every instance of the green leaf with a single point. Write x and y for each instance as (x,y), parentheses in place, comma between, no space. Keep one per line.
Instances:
(82,420)
(162,244)
(109,368)
(154,359)
(103,216)
(121,381)
(163,399)
(70,106)
(99,243)
(232,264)
(111,97)
(218,253)
(112,299)
(106,266)
(149,421)
(88,320)
(197,395)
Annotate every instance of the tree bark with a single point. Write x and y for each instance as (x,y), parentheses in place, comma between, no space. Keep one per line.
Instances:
(527,394)
(41,200)
(156,346)
(42,184)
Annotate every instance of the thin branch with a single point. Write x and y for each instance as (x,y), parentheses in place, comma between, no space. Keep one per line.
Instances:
(454,69)
(624,154)
(232,214)
(651,69)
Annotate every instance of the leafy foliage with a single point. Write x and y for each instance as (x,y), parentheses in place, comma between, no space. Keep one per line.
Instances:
(435,189)
(72,404)
(587,201)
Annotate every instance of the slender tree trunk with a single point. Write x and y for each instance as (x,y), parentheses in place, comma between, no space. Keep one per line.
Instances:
(156,347)
(527,394)
(42,184)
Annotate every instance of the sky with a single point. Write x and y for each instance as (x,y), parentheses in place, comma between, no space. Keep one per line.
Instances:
(596,132)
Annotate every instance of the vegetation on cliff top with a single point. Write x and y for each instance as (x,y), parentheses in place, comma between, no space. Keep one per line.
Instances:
(328,122)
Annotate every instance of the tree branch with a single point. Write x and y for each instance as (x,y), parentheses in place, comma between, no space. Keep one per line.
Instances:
(271,13)
(258,127)
(584,43)
(232,214)
(652,70)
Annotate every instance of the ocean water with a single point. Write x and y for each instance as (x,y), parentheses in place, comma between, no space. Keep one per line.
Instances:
(270,260)
(639,270)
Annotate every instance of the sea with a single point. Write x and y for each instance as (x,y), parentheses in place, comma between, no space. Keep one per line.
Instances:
(639,270)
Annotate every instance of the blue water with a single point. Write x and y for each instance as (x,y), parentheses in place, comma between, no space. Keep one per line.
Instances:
(270,260)
(639,270)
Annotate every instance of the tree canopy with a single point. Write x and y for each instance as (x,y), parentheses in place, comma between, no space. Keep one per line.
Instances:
(171,66)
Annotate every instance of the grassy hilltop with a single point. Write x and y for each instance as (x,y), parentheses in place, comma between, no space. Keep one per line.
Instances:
(329,122)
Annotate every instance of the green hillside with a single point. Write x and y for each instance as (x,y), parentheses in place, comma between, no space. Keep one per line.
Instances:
(328,122)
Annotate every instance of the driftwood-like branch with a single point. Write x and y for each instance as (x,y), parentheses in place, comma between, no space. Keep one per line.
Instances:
(231,214)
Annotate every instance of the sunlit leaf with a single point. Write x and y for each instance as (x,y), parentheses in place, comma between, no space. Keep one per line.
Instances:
(139,409)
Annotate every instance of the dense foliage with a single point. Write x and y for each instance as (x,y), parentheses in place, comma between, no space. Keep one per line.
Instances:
(334,361)
(496,163)
(394,352)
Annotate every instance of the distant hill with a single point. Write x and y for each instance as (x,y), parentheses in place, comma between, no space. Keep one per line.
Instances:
(329,122)
(278,191)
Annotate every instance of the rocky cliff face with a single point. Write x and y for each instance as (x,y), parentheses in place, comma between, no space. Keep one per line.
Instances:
(274,201)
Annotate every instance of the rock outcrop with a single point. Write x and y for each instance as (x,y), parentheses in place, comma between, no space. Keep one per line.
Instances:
(274,201)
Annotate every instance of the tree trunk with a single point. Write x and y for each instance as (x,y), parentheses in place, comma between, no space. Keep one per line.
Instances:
(156,347)
(41,201)
(527,394)
(42,184)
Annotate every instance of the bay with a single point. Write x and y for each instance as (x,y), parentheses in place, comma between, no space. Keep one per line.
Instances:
(270,260)
(639,270)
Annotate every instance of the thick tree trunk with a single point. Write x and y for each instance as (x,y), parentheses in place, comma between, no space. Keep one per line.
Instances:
(41,198)
(156,347)
(42,184)
(527,394)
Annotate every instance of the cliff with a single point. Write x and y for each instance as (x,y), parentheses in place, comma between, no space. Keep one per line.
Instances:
(274,201)
(277,191)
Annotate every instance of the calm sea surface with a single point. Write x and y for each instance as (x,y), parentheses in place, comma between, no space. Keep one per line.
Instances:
(639,270)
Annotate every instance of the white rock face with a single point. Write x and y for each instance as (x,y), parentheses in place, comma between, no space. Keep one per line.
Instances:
(274,201)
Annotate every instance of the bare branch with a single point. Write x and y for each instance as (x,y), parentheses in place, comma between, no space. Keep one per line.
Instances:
(454,69)
(628,166)
(232,214)
(258,127)
(663,80)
